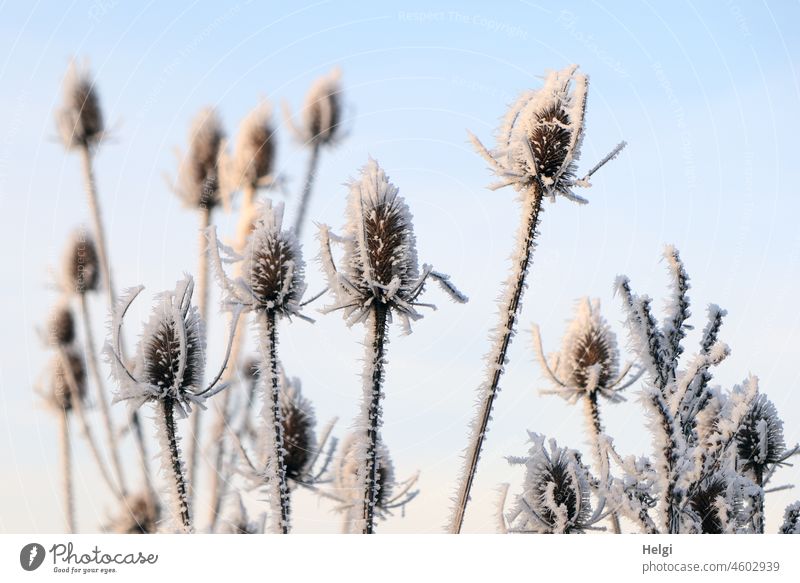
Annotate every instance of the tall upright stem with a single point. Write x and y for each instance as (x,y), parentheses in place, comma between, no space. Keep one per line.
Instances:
(66,472)
(373,383)
(202,306)
(509,312)
(93,201)
(273,419)
(94,370)
(77,404)
(219,476)
(181,511)
(307,187)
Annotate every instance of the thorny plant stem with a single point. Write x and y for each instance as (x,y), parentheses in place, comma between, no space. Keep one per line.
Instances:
(202,306)
(307,188)
(66,472)
(93,201)
(595,429)
(220,475)
(94,370)
(269,356)
(77,405)
(179,481)
(373,394)
(509,313)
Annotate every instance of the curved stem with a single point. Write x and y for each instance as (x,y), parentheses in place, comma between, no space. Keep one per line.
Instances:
(373,381)
(66,472)
(202,306)
(509,311)
(181,511)
(94,370)
(307,187)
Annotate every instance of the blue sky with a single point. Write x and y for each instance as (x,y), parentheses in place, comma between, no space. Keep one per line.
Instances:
(705,94)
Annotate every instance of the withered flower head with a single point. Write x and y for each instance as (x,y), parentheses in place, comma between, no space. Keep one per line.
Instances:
(80,118)
(555,497)
(380,264)
(61,326)
(81,264)
(539,143)
(273,270)
(255,148)
(322,111)
(65,381)
(760,440)
(346,471)
(137,516)
(170,357)
(198,173)
(298,428)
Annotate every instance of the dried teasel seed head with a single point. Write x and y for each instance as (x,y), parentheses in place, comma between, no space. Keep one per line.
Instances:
(589,358)
(556,489)
(760,441)
(380,254)
(62,393)
(198,174)
(273,268)
(81,264)
(346,471)
(254,156)
(705,503)
(60,326)
(791,519)
(322,110)
(137,516)
(298,428)
(80,118)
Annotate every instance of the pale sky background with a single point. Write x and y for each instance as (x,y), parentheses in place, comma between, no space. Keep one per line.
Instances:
(705,93)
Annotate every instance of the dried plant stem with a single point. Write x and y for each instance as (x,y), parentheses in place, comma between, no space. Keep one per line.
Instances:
(66,472)
(595,429)
(77,404)
(219,478)
(202,306)
(273,417)
(509,312)
(178,479)
(311,173)
(373,384)
(93,200)
(94,370)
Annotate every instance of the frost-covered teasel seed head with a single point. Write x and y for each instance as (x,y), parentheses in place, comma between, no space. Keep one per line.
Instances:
(299,421)
(81,265)
(589,358)
(198,172)
(322,111)
(60,326)
(254,154)
(791,519)
(760,442)
(346,472)
(139,515)
(379,264)
(171,354)
(80,118)
(272,267)
(556,491)
(62,391)
(714,507)
(539,141)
